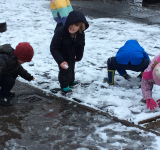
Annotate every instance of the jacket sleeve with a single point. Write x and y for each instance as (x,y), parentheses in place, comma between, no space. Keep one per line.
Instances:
(146,87)
(55,46)
(24,74)
(80,46)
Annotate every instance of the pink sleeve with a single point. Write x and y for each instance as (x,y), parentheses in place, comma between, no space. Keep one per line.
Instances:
(147,75)
(146,87)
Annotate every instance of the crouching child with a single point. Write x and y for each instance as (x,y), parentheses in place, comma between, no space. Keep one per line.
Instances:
(131,56)
(10,68)
(151,76)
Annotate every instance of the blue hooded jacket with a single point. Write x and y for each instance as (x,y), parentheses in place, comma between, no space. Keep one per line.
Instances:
(131,52)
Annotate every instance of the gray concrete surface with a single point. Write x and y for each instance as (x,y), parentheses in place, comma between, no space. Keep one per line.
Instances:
(52,123)
(125,9)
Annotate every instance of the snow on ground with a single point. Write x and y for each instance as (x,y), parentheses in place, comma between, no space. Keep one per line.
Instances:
(31,21)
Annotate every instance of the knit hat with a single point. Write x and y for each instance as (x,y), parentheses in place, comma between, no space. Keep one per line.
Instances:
(156,74)
(24,52)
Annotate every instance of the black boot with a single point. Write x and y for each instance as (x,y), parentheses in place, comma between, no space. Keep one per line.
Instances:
(127,77)
(110,79)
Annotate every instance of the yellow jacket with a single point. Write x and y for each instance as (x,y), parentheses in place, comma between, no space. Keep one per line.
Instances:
(60,10)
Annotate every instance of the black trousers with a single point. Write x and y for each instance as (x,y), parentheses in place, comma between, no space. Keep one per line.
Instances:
(113,65)
(66,76)
(6,85)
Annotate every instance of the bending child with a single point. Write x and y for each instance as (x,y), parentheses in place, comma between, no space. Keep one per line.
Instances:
(131,56)
(10,68)
(60,11)
(67,47)
(151,76)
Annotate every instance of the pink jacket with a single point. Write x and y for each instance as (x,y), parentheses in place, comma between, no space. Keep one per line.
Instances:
(147,80)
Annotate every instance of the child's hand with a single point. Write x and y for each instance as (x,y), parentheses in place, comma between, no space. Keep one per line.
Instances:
(64,65)
(151,104)
(33,78)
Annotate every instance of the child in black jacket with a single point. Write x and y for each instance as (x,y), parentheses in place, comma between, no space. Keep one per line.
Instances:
(67,47)
(10,68)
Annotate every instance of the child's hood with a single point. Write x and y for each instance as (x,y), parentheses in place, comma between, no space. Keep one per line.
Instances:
(75,17)
(135,42)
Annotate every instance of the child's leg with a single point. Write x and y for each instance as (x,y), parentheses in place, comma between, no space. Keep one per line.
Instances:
(111,71)
(122,72)
(110,78)
(141,67)
(121,69)
(6,85)
(71,82)
(64,77)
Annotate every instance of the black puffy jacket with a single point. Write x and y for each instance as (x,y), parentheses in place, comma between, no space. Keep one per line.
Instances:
(9,64)
(63,47)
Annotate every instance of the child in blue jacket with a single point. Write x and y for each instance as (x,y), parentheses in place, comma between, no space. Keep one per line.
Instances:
(131,56)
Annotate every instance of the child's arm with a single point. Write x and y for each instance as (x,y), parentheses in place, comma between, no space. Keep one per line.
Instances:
(147,84)
(24,74)
(55,46)
(81,43)
(146,87)
(79,53)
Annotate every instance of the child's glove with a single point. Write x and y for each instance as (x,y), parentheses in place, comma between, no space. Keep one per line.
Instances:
(158,102)
(151,104)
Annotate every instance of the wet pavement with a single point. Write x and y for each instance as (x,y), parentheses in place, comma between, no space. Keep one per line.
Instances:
(38,121)
(126,9)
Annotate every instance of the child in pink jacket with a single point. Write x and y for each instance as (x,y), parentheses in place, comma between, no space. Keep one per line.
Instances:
(151,76)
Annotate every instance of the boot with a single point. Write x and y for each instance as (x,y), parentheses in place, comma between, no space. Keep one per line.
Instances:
(110,79)
(126,76)
(66,90)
